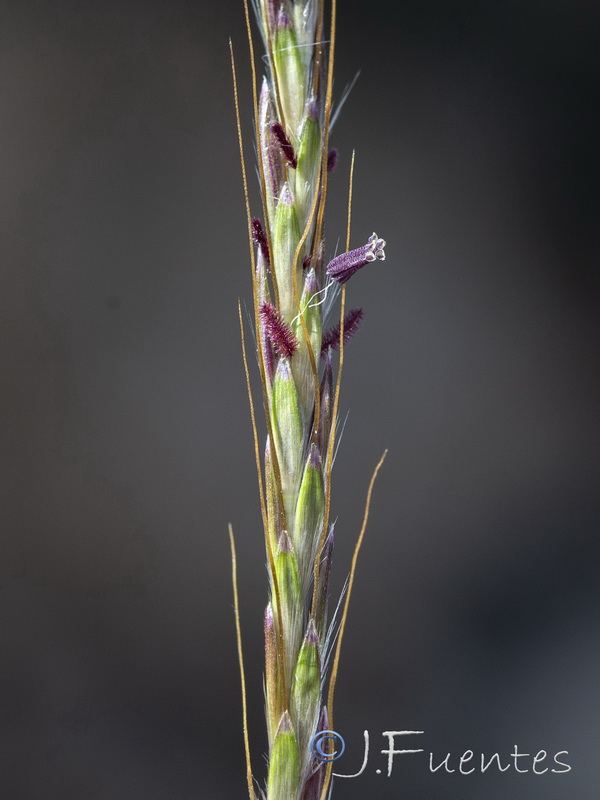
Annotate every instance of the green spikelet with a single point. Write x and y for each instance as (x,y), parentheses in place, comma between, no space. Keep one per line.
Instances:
(270,154)
(286,235)
(287,432)
(288,584)
(309,513)
(312,313)
(288,578)
(309,155)
(301,366)
(289,70)
(306,688)
(305,13)
(326,406)
(282,783)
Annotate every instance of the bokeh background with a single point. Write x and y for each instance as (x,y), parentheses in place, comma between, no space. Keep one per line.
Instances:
(126,444)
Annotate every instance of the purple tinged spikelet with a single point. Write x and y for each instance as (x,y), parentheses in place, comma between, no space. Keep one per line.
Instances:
(326,404)
(260,239)
(286,198)
(284,143)
(273,508)
(269,619)
(273,713)
(284,543)
(343,267)
(280,334)
(314,458)
(283,18)
(317,260)
(264,297)
(314,784)
(272,10)
(312,316)
(324,575)
(285,723)
(311,285)
(332,159)
(270,151)
(352,322)
(312,636)
(323,720)
(312,108)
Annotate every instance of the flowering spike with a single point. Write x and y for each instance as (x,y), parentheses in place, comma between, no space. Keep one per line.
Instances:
(343,267)
(332,159)
(280,335)
(284,143)
(291,295)
(352,322)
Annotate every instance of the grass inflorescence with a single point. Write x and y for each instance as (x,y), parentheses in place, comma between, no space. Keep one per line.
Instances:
(294,287)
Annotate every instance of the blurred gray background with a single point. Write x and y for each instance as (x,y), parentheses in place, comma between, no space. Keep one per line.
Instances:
(126,444)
